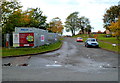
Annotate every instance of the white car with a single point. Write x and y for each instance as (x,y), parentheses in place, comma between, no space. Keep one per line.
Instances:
(91,42)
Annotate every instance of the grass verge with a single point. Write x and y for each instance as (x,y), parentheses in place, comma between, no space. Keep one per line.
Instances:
(109,47)
(107,39)
(23,51)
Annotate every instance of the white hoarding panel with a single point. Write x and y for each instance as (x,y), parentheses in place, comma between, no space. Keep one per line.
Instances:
(15,39)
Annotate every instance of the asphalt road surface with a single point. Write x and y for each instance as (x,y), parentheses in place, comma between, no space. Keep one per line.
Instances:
(72,62)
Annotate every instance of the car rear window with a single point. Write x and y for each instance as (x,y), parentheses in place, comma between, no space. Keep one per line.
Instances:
(79,38)
(93,40)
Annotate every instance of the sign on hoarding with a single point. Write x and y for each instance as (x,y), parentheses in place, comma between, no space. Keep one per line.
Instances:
(42,38)
(24,30)
(26,39)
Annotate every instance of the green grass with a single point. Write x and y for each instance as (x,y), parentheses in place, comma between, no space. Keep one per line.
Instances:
(22,51)
(108,46)
(109,39)
(106,42)
(81,35)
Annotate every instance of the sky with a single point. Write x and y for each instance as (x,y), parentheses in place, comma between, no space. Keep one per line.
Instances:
(92,9)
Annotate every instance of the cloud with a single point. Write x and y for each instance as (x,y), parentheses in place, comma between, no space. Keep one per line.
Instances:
(92,9)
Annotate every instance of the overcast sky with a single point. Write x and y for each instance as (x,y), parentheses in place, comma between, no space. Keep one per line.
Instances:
(92,9)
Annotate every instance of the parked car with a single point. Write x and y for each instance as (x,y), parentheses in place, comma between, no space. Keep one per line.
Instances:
(91,42)
(108,36)
(79,39)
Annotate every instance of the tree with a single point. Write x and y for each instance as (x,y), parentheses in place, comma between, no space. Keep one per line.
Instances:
(110,16)
(37,19)
(18,18)
(115,27)
(75,23)
(88,29)
(71,23)
(56,25)
(8,8)
(84,24)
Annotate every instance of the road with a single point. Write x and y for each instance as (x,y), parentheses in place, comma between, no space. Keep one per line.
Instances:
(72,62)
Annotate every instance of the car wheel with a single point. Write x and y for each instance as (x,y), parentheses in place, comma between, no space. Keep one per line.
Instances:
(87,45)
(97,46)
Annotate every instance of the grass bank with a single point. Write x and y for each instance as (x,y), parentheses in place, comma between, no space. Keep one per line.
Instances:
(109,47)
(106,43)
(107,39)
(23,51)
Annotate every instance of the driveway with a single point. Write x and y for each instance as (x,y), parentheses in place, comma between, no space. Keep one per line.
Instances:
(72,62)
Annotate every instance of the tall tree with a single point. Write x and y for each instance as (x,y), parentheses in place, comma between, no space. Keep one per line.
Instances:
(84,24)
(56,25)
(88,29)
(8,8)
(110,16)
(75,23)
(38,20)
(71,23)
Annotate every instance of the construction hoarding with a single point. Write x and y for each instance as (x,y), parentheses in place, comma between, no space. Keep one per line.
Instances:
(32,37)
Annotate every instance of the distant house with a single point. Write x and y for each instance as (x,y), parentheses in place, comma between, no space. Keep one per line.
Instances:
(107,32)
(80,32)
(94,32)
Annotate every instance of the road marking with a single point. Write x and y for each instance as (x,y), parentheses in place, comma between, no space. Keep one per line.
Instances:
(54,65)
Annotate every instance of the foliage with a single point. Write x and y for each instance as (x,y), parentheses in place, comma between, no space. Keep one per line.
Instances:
(75,23)
(71,23)
(110,16)
(7,9)
(13,16)
(56,25)
(84,24)
(115,27)
(36,18)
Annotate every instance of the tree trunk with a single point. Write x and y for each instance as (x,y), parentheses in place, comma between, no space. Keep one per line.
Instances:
(73,33)
(118,38)
(83,31)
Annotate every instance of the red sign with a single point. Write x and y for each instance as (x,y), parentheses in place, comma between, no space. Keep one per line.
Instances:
(42,38)
(26,39)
